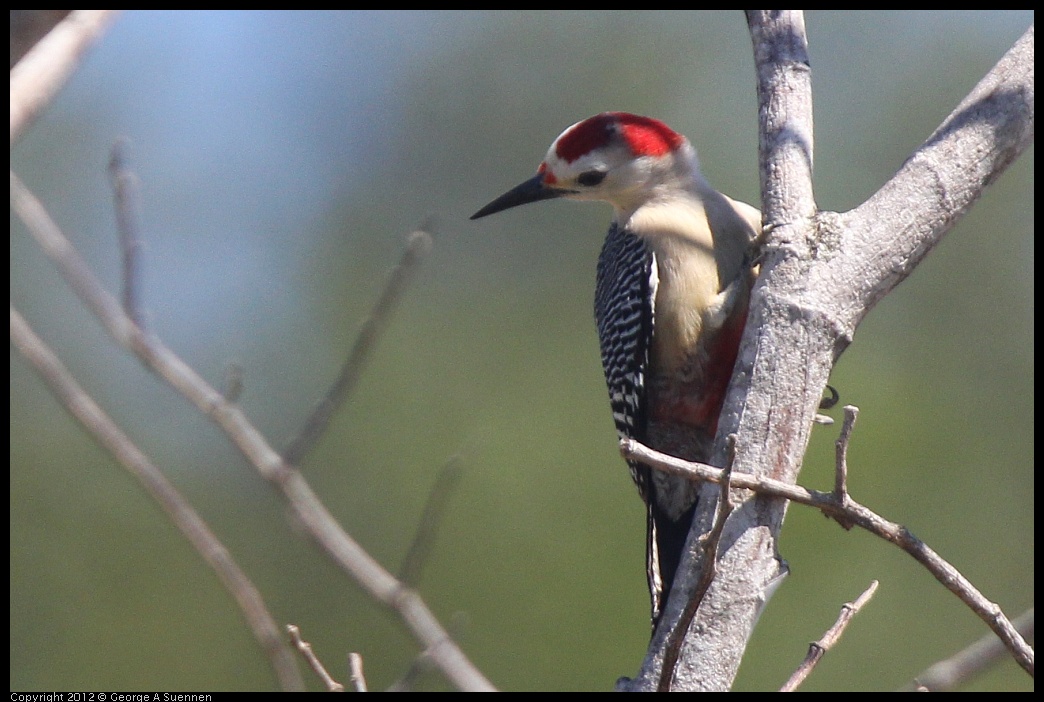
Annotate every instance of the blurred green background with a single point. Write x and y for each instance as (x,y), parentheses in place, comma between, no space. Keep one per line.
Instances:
(283,158)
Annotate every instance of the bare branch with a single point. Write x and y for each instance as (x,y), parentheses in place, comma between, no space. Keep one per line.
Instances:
(125,191)
(106,432)
(850,513)
(355,665)
(29,27)
(305,504)
(820,275)
(43,71)
(973,660)
(818,649)
(841,453)
(709,543)
(434,508)
(418,246)
(785,114)
(233,382)
(885,238)
(305,649)
(749,565)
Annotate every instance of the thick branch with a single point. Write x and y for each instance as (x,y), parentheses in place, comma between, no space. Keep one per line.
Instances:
(820,274)
(748,566)
(42,72)
(882,241)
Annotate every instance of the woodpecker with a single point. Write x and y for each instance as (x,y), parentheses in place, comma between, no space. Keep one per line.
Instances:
(671,295)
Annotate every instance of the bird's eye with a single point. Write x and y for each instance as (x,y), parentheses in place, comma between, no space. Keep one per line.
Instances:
(590,178)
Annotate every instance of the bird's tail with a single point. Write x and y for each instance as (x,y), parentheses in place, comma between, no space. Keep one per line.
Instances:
(664,548)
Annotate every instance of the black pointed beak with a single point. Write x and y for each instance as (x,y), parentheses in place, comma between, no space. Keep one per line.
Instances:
(533,190)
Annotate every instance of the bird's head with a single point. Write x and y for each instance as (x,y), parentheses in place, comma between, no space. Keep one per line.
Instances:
(620,158)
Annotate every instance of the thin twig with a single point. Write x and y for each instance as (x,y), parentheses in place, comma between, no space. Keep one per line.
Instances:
(418,246)
(125,192)
(233,381)
(106,432)
(709,542)
(434,508)
(841,455)
(305,649)
(964,665)
(355,666)
(855,514)
(818,649)
(304,503)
